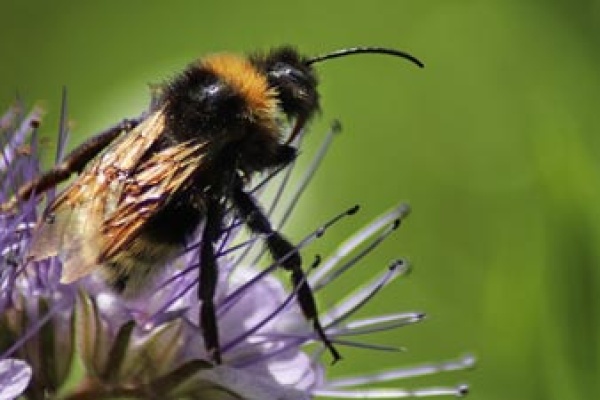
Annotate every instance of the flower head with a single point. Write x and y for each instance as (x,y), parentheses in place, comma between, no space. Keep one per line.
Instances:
(151,346)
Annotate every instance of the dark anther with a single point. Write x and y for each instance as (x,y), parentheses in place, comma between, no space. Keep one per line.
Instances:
(463,390)
(316,263)
(396,264)
(353,210)
(336,126)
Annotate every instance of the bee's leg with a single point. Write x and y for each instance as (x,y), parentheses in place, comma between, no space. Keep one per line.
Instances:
(208,280)
(75,161)
(287,255)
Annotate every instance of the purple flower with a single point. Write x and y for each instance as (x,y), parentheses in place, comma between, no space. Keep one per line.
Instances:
(151,346)
(14,377)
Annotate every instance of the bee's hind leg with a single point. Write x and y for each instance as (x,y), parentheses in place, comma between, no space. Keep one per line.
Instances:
(208,279)
(287,256)
(74,162)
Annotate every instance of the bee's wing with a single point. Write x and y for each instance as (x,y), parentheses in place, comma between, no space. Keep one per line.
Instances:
(73,223)
(147,191)
(70,232)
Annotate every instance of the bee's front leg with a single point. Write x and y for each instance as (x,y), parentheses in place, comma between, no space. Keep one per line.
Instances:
(288,257)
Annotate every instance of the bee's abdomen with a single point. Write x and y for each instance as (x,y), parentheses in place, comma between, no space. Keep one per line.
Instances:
(132,269)
(160,240)
(175,223)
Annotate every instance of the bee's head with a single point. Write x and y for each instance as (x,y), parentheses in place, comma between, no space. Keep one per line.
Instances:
(293,79)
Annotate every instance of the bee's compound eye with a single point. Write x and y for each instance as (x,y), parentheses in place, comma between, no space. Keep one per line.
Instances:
(296,88)
(280,70)
(283,71)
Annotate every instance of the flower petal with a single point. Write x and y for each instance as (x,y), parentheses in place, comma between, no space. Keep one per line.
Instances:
(458,391)
(403,373)
(356,300)
(14,377)
(330,270)
(250,386)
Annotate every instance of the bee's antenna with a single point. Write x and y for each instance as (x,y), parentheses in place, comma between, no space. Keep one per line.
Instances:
(361,50)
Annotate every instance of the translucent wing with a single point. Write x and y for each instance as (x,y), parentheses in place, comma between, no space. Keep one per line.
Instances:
(73,223)
(147,191)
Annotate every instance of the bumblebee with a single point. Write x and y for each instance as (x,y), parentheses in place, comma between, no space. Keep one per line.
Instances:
(146,185)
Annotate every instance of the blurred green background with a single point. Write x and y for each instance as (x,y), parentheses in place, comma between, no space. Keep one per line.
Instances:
(495,145)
